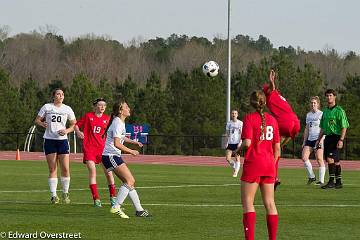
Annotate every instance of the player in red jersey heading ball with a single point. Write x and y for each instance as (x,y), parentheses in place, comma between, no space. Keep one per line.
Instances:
(289,124)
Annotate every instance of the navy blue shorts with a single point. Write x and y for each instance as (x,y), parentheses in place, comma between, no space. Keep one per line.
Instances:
(111,162)
(56,146)
(231,147)
(310,143)
(330,147)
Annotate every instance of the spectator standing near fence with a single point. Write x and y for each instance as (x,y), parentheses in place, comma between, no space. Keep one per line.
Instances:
(93,125)
(53,117)
(334,125)
(311,134)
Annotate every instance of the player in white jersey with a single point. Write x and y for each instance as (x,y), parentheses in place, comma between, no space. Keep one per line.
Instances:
(112,160)
(53,117)
(311,134)
(233,134)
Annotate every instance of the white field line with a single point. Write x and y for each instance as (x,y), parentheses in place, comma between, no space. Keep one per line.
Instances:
(148,187)
(144,187)
(196,205)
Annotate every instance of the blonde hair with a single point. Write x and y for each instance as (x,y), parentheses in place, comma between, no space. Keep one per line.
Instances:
(258,101)
(317,99)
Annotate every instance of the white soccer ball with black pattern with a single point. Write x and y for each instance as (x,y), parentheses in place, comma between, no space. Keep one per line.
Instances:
(210,68)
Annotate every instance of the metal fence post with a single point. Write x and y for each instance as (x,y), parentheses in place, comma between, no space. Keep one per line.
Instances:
(17,141)
(293,143)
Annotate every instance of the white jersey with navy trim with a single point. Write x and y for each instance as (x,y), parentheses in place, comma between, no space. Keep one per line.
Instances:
(116,129)
(56,118)
(233,130)
(313,124)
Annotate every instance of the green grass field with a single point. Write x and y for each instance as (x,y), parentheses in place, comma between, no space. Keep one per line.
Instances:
(187,202)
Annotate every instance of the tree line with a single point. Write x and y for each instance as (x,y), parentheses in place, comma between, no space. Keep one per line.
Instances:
(162,82)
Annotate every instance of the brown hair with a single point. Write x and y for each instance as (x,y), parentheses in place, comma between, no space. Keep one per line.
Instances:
(117,107)
(53,92)
(330,91)
(258,101)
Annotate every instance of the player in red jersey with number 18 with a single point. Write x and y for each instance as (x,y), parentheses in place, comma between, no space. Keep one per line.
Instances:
(261,140)
(93,125)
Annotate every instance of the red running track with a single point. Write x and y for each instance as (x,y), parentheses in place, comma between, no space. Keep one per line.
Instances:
(173,160)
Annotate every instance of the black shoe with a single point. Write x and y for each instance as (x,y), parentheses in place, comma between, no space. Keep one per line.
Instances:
(311,180)
(143,213)
(318,183)
(276,184)
(338,185)
(328,185)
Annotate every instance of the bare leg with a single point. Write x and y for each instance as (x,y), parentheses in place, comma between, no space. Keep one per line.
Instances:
(65,176)
(319,154)
(267,194)
(52,179)
(248,191)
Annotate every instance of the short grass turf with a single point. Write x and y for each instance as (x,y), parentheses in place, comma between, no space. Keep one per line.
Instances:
(187,202)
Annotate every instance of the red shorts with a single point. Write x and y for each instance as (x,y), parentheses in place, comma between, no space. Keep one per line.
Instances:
(94,156)
(289,128)
(258,179)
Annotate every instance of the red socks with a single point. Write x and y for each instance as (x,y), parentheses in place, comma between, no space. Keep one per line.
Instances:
(249,220)
(272,225)
(112,190)
(94,191)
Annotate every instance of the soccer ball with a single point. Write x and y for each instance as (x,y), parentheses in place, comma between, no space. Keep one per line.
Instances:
(210,69)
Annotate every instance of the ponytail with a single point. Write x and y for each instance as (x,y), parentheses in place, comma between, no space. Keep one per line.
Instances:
(117,107)
(258,101)
(107,127)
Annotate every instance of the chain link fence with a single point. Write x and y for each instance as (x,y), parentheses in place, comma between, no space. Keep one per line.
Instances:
(195,145)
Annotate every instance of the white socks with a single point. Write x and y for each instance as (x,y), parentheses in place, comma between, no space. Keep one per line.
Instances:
(53,186)
(237,166)
(310,172)
(124,191)
(122,194)
(309,169)
(135,200)
(322,171)
(65,183)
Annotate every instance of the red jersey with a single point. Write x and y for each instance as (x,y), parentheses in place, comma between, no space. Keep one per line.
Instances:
(93,129)
(278,105)
(259,157)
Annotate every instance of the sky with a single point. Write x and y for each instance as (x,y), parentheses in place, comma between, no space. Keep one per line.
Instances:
(309,24)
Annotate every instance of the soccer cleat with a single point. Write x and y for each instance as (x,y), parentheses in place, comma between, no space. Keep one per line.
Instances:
(276,184)
(97,203)
(143,213)
(318,183)
(55,200)
(311,180)
(65,198)
(338,185)
(118,211)
(112,201)
(329,185)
